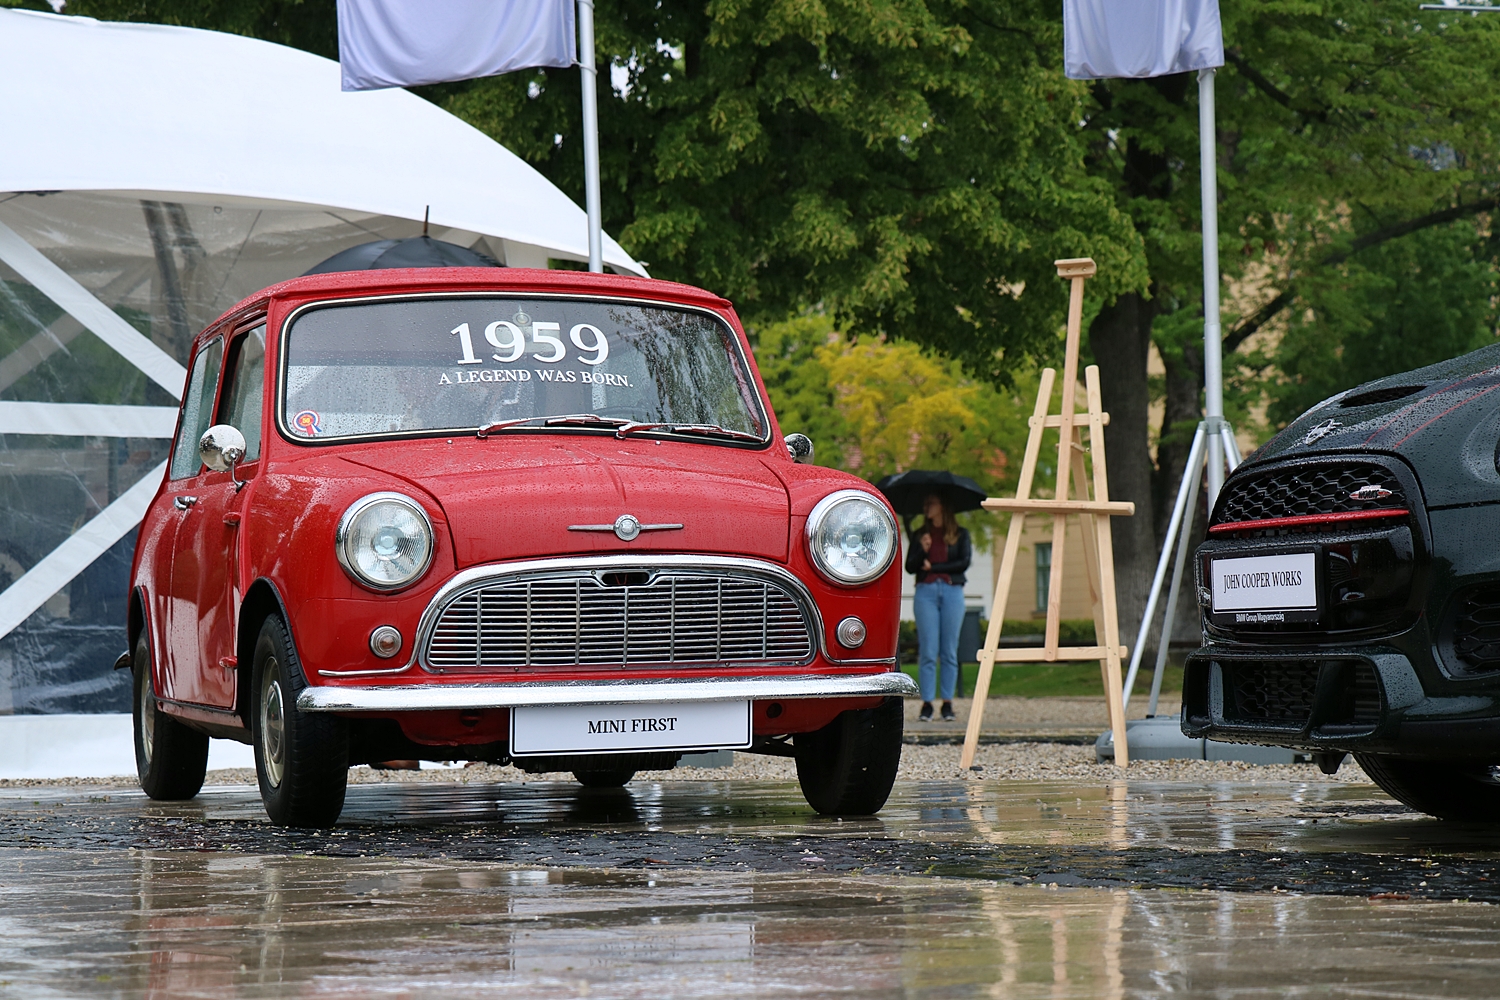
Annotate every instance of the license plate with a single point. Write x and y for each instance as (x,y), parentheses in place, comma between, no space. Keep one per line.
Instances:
(1265,588)
(704,725)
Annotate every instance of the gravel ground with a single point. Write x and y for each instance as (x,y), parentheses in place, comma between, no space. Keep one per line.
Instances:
(1005,762)
(1012,713)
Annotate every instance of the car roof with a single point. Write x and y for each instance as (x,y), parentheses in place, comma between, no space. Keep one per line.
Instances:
(345,284)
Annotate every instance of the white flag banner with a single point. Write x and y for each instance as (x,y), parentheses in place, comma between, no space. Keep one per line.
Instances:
(404,43)
(1140,38)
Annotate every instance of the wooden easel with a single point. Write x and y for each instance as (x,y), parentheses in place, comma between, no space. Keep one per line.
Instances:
(1098,553)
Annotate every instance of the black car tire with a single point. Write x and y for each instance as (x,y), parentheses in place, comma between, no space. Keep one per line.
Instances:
(301,758)
(847,768)
(170,758)
(1456,790)
(604,779)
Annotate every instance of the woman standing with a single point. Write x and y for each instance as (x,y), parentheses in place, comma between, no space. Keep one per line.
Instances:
(939,555)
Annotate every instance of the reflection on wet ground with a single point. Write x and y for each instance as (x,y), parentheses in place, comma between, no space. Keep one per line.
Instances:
(712,888)
(181,924)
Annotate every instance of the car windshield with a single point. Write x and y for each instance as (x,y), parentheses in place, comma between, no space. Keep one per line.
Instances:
(496,364)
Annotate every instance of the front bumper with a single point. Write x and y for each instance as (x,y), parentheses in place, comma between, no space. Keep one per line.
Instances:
(472,697)
(1359,699)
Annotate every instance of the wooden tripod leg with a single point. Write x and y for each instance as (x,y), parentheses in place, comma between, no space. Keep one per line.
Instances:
(1113,683)
(1090,555)
(1007,567)
(992,638)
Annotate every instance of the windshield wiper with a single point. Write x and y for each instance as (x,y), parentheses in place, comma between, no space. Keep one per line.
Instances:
(631,426)
(713,430)
(566,418)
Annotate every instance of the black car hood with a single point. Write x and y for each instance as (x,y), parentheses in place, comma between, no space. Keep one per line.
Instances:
(1444,420)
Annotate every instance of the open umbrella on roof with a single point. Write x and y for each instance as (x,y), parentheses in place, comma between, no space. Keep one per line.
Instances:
(417,251)
(907,490)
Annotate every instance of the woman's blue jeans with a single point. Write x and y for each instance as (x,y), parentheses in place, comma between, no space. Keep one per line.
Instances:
(939,608)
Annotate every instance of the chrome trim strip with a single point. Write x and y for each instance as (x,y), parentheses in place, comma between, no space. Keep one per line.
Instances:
(439,697)
(479,576)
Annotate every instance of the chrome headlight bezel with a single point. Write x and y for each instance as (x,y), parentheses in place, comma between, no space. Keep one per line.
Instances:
(819,516)
(344,540)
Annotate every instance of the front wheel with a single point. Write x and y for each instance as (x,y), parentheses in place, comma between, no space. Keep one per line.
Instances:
(847,768)
(1456,790)
(170,758)
(301,758)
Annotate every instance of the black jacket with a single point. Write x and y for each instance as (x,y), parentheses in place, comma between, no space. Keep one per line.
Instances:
(958,557)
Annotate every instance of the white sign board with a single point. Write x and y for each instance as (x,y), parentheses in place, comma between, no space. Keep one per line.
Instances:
(1266,583)
(706,725)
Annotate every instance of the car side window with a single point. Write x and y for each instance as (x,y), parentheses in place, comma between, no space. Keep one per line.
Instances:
(197,408)
(244,388)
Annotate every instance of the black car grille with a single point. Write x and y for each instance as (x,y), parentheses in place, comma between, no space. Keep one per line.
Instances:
(1280,694)
(1271,692)
(1300,491)
(1475,630)
(679,619)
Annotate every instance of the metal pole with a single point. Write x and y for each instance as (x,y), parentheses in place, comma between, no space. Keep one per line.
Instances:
(1213,364)
(1179,515)
(590,132)
(1184,542)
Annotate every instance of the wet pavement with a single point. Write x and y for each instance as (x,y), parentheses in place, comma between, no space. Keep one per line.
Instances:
(710,888)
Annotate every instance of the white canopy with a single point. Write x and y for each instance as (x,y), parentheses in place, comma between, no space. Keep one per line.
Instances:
(150,177)
(91,105)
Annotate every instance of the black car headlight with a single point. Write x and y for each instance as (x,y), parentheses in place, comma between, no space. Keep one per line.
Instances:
(851,537)
(385,541)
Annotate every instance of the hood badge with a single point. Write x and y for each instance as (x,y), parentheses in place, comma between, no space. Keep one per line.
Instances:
(1321,431)
(626,527)
(1370,492)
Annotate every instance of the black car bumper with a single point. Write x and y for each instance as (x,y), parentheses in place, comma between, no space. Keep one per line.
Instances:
(1364,699)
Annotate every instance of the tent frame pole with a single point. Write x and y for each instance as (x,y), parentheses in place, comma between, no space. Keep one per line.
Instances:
(1213,362)
(589,74)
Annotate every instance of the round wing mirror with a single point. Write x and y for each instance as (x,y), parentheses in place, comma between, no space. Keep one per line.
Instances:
(800,447)
(222,448)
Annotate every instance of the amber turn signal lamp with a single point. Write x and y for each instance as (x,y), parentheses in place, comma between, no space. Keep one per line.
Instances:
(385,641)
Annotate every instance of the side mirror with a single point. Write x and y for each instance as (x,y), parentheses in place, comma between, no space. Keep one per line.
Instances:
(800,447)
(222,448)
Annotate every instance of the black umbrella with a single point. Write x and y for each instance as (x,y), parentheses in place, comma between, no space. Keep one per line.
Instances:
(907,490)
(418,251)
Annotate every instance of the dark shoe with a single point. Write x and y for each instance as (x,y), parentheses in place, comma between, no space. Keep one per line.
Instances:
(948,715)
(926,714)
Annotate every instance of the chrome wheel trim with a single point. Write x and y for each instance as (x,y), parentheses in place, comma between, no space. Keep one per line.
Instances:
(148,715)
(272,747)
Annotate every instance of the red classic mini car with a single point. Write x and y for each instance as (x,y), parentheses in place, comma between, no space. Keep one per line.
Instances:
(503,515)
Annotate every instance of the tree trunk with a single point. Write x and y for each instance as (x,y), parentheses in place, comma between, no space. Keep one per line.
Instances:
(1120,337)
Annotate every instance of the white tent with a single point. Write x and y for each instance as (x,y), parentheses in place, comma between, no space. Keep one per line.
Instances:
(151,177)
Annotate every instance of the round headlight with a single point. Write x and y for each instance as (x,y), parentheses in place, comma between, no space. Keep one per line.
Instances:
(851,537)
(385,541)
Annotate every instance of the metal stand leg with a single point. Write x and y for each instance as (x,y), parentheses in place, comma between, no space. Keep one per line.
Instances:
(1195,461)
(1184,541)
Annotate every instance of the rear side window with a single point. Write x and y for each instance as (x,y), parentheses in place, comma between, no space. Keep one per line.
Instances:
(197,409)
(244,389)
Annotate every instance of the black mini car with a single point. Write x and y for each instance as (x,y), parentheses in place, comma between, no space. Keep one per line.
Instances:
(1350,589)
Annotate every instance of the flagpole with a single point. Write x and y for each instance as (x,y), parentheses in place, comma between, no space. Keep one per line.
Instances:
(589,75)
(1213,363)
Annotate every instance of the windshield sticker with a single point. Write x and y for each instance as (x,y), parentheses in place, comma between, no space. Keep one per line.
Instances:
(308,423)
(526,375)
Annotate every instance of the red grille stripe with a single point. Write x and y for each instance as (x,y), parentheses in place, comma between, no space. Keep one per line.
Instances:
(1287,522)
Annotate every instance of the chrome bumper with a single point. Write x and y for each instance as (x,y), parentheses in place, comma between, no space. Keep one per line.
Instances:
(438,697)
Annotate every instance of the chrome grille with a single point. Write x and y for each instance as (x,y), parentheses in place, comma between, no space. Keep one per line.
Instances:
(672,618)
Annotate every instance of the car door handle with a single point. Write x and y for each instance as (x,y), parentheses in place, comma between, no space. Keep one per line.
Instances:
(183,503)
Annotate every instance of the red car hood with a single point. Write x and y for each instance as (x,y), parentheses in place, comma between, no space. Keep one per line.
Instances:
(514,497)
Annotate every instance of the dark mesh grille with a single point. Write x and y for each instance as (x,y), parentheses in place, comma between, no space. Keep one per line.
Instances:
(1328,489)
(1270,692)
(1476,629)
